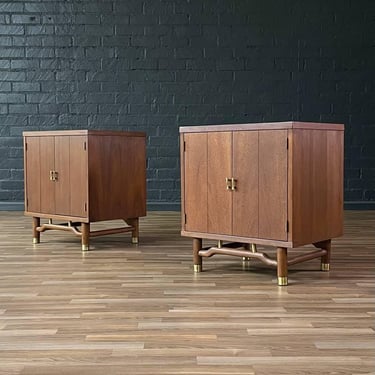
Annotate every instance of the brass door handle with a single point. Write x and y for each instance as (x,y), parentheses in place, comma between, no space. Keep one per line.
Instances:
(53,175)
(231,183)
(228,183)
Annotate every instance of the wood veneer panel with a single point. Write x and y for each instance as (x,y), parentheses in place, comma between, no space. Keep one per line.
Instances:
(273,175)
(32,174)
(62,184)
(78,169)
(317,184)
(246,172)
(47,164)
(195,177)
(132,171)
(261,126)
(219,168)
(335,178)
(117,179)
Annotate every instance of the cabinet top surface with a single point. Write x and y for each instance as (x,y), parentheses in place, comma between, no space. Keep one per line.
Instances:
(262,126)
(82,132)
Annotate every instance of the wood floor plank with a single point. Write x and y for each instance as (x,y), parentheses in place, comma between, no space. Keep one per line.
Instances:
(140,309)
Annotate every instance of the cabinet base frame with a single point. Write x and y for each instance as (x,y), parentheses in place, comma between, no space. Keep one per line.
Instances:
(281,263)
(82,230)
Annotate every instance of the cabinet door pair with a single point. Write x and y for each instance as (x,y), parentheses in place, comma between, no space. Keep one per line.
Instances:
(236,183)
(56,166)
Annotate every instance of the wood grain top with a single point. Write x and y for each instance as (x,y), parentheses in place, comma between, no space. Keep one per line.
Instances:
(46,133)
(262,126)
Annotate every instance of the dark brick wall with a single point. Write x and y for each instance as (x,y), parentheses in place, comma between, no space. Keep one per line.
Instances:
(155,65)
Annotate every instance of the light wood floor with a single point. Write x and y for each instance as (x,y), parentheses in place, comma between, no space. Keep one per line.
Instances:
(127,309)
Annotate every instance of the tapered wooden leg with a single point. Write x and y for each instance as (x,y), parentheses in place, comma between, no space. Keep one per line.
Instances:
(85,236)
(36,234)
(325,259)
(251,247)
(134,222)
(246,246)
(282,266)
(197,259)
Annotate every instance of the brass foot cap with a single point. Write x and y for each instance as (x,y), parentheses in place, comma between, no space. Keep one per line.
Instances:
(35,240)
(197,268)
(85,247)
(135,240)
(282,281)
(246,259)
(324,267)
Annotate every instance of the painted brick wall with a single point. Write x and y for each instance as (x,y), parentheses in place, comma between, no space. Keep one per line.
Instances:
(155,65)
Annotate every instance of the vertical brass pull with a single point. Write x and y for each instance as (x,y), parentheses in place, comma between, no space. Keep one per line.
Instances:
(53,175)
(228,183)
(233,184)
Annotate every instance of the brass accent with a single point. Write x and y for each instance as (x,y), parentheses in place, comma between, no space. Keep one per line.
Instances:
(35,240)
(49,221)
(53,175)
(85,247)
(282,281)
(233,184)
(197,268)
(254,248)
(220,244)
(135,240)
(228,183)
(324,266)
(246,259)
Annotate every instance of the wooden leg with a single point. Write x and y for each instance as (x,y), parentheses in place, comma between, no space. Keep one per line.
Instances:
(282,266)
(85,236)
(325,259)
(197,259)
(36,234)
(135,232)
(246,246)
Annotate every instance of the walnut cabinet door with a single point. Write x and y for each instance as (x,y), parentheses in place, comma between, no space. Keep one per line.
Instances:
(236,183)
(39,162)
(56,175)
(71,187)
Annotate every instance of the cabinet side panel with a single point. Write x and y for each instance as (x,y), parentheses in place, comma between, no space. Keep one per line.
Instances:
(245,171)
(47,164)
(317,185)
(195,178)
(32,174)
(273,179)
(219,168)
(335,183)
(117,177)
(62,183)
(78,176)
(136,194)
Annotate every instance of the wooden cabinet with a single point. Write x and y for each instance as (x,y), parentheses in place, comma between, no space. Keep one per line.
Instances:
(85,176)
(278,184)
